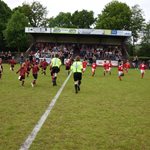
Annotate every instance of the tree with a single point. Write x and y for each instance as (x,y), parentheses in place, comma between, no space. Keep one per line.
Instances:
(116,15)
(137,22)
(15,31)
(36,13)
(83,19)
(61,20)
(145,44)
(5,14)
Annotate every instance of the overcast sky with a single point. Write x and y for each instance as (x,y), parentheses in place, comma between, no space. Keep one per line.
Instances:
(56,6)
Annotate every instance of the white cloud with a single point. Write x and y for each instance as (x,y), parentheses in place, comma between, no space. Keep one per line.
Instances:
(56,6)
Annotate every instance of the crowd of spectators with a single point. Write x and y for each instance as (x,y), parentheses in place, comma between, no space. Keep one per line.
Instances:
(88,51)
(48,50)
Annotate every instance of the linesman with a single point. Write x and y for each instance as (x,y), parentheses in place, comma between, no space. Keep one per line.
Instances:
(77,73)
(55,68)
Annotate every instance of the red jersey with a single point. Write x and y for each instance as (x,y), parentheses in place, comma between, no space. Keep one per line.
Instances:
(44,64)
(120,68)
(94,65)
(84,64)
(106,66)
(27,63)
(35,69)
(22,71)
(109,65)
(126,65)
(12,62)
(142,66)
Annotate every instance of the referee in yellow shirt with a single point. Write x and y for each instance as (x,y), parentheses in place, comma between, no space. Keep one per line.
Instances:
(76,67)
(55,68)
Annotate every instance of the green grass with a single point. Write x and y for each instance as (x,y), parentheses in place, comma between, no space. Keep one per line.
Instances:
(107,114)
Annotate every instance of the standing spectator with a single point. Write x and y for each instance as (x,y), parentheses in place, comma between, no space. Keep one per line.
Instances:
(135,62)
(1,68)
(77,73)
(21,58)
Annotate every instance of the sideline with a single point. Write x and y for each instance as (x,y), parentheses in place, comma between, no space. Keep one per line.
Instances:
(26,145)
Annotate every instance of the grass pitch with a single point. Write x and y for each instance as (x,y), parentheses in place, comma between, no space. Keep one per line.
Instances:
(107,114)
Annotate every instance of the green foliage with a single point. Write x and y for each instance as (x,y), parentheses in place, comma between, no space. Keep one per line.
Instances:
(5,14)
(36,13)
(61,20)
(116,15)
(137,22)
(83,19)
(14,33)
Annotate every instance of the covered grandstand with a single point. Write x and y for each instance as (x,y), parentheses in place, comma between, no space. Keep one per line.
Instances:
(104,44)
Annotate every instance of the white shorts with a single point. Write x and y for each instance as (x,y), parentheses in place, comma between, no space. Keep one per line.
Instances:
(84,69)
(120,73)
(142,71)
(109,69)
(93,70)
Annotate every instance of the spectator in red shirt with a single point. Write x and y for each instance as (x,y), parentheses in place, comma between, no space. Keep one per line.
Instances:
(12,64)
(35,70)
(94,65)
(22,72)
(1,68)
(142,68)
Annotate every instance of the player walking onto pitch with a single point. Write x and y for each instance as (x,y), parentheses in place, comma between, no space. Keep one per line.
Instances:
(126,66)
(22,71)
(68,64)
(106,67)
(142,68)
(94,65)
(1,68)
(120,71)
(109,67)
(55,68)
(12,64)
(84,64)
(44,65)
(77,73)
(35,70)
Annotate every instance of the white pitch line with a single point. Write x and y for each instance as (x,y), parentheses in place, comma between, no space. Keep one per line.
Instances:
(26,145)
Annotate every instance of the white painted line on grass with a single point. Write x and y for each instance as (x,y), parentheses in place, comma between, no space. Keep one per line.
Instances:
(26,145)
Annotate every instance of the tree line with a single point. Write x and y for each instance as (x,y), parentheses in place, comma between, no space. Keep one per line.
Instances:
(115,16)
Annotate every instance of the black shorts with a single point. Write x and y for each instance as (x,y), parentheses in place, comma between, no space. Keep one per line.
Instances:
(35,76)
(77,76)
(55,70)
(12,66)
